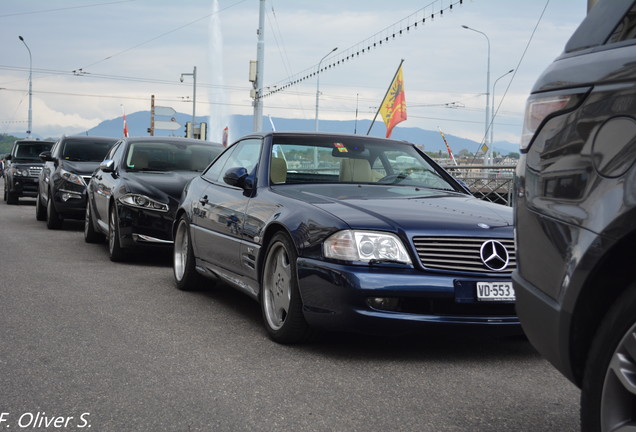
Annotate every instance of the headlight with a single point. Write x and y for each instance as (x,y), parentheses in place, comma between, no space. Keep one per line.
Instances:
(366,246)
(20,172)
(142,201)
(72,177)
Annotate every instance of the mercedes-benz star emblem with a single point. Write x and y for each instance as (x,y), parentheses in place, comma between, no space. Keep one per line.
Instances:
(494,255)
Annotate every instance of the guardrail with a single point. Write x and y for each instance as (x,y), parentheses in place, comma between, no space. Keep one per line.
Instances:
(493,183)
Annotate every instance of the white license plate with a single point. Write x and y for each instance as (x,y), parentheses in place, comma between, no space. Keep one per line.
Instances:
(495,291)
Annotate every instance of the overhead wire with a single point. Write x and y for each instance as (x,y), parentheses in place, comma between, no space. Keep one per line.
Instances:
(161,35)
(516,69)
(63,8)
(380,38)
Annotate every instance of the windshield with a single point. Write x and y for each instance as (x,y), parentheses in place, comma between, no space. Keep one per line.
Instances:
(31,151)
(85,151)
(352,160)
(169,156)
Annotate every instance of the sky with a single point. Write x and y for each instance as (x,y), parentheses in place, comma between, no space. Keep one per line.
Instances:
(94,59)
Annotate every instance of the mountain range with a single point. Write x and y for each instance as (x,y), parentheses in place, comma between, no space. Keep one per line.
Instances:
(240,125)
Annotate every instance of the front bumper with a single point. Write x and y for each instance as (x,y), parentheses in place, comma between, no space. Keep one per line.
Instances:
(337,296)
(23,186)
(545,324)
(70,203)
(138,227)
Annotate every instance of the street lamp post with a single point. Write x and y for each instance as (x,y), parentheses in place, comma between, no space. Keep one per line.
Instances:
(492,112)
(30,122)
(194,93)
(489,151)
(318,87)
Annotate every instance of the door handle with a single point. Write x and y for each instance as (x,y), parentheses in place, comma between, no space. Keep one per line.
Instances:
(204,200)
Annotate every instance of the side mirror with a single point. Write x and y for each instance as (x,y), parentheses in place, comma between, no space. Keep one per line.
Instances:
(107,165)
(235,177)
(8,156)
(46,156)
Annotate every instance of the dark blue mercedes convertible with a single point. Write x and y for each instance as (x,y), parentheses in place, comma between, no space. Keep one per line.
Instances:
(345,232)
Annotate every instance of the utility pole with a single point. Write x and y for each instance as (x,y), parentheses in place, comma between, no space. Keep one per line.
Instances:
(30,120)
(151,130)
(257,121)
(194,93)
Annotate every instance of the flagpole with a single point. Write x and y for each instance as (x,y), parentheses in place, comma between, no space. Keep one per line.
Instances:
(385,95)
(125,124)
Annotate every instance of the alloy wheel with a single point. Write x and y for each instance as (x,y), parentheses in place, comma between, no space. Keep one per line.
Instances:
(618,399)
(277,286)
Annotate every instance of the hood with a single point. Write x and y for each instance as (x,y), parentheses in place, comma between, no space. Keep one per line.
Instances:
(157,184)
(402,208)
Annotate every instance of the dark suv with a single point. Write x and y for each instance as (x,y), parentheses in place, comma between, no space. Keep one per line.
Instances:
(67,170)
(575,215)
(22,169)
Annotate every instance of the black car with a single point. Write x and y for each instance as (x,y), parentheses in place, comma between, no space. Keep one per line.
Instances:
(133,195)
(22,169)
(67,169)
(576,216)
(346,232)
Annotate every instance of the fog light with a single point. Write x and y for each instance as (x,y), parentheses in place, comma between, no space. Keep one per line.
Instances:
(384,303)
(67,196)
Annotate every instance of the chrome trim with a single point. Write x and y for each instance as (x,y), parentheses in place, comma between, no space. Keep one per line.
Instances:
(147,239)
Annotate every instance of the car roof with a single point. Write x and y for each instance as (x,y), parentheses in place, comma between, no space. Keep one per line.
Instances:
(88,138)
(168,139)
(32,141)
(334,135)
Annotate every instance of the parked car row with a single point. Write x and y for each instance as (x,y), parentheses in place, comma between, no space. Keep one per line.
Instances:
(326,231)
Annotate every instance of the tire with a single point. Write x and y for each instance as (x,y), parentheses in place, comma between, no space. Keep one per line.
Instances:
(5,190)
(186,276)
(608,392)
(281,304)
(53,219)
(10,198)
(115,251)
(40,210)
(91,235)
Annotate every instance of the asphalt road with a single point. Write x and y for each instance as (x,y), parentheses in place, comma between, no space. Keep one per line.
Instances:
(87,344)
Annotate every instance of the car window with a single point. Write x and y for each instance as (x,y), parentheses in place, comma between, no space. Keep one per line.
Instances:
(116,153)
(85,151)
(352,160)
(242,154)
(111,152)
(169,156)
(626,29)
(31,151)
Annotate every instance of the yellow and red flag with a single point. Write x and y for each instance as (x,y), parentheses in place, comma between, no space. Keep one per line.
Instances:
(393,107)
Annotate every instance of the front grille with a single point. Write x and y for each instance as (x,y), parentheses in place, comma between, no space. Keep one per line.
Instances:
(460,254)
(34,171)
(87,178)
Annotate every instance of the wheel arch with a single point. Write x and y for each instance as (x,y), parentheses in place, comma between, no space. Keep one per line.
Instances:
(180,212)
(610,278)
(269,233)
